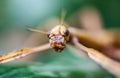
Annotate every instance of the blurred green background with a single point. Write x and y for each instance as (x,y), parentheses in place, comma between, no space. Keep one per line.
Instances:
(16,15)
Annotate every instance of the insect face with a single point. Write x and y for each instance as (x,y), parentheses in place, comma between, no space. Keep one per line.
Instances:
(58,37)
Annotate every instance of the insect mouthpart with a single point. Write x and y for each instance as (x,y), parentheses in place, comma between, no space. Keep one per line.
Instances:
(57,42)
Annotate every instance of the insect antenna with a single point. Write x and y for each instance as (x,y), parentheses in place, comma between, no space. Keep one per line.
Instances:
(36,30)
(63,13)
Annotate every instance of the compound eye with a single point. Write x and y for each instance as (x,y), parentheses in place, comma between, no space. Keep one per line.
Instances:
(48,34)
(66,32)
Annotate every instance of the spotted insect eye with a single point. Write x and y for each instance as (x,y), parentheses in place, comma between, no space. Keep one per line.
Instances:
(66,32)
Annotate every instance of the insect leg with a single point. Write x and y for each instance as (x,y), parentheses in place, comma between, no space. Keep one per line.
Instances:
(22,53)
(36,30)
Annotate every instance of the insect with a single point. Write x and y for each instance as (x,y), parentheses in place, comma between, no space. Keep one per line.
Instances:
(61,34)
(58,36)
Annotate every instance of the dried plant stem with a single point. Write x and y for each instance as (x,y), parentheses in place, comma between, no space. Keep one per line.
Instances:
(104,61)
(21,53)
